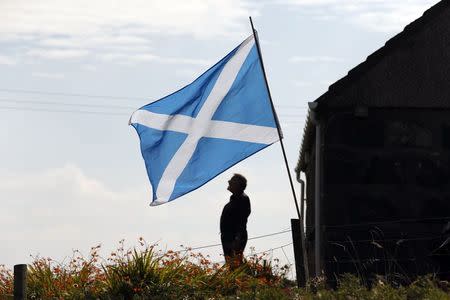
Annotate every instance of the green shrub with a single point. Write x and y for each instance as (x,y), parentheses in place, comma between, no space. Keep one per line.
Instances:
(426,288)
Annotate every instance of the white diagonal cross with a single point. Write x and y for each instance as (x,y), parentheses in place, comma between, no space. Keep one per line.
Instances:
(203,126)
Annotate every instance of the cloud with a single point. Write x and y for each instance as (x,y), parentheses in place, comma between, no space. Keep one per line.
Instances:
(54,210)
(127,58)
(48,75)
(125,33)
(6,60)
(65,192)
(89,68)
(57,53)
(373,15)
(131,59)
(113,40)
(186,61)
(60,208)
(99,17)
(187,72)
(67,183)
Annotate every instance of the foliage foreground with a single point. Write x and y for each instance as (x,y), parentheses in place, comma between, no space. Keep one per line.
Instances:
(147,273)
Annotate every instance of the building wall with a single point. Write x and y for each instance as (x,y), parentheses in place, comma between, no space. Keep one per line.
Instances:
(392,165)
(386,191)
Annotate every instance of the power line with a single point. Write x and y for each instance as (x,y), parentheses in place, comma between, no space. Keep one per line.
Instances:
(62,111)
(35,109)
(68,104)
(271,249)
(270,234)
(388,222)
(398,240)
(265,251)
(124,98)
(109,106)
(285,255)
(71,94)
(252,238)
(288,260)
(372,260)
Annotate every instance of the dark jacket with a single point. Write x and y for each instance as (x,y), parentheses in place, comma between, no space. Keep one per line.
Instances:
(233,220)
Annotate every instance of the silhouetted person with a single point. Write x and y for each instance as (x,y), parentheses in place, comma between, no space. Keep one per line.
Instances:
(233,221)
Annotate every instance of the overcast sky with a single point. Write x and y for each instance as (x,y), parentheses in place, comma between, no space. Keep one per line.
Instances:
(71,173)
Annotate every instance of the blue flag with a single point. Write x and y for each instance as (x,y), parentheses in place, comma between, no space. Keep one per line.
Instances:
(198,132)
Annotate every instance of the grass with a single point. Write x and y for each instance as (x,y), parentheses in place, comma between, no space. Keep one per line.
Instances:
(144,272)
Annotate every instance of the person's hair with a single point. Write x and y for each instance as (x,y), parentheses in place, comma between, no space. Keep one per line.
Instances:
(242,180)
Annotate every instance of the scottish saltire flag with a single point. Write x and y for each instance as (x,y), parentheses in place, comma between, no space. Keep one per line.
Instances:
(196,133)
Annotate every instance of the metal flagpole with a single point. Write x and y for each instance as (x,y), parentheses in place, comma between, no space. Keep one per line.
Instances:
(280,135)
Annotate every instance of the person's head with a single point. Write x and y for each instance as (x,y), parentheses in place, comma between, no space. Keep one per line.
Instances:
(237,184)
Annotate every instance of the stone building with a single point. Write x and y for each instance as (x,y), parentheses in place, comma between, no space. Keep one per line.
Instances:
(376,158)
